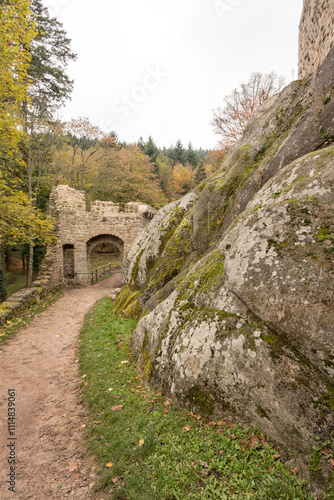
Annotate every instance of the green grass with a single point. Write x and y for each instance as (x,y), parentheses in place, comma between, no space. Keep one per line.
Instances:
(154,454)
(15,281)
(26,317)
(99,260)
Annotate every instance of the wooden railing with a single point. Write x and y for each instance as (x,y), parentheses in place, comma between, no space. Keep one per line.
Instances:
(100,272)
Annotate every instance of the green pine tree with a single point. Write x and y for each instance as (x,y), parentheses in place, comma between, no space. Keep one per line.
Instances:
(179,152)
(151,150)
(191,156)
(200,173)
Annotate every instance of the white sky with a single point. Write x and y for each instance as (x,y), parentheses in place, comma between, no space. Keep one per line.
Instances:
(160,67)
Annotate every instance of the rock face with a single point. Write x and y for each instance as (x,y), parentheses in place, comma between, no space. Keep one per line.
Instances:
(234,283)
(316,34)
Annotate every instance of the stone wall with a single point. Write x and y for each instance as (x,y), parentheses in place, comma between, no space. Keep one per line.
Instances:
(81,230)
(316,34)
(22,300)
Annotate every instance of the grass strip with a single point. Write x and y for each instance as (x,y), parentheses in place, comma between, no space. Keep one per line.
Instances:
(15,281)
(25,317)
(147,450)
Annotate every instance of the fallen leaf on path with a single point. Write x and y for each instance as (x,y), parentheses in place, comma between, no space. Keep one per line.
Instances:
(277,456)
(165,412)
(115,480)
(141,443)
(47,417)
(332,463)
(167,403)
(295,470)
(72,466)
(186,428)
(109,465)
(203,464)
(117,408)
(252,443)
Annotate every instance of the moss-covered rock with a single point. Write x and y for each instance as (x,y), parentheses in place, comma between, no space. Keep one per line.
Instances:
(234,282)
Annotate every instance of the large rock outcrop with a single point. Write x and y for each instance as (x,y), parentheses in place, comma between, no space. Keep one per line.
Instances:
(316,34)
(234,283)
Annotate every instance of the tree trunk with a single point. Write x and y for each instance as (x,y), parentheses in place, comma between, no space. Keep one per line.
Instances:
(30,266)
(3,258)
(3,290)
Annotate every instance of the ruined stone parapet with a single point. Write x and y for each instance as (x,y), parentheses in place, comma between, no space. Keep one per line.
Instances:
(141,209)
(316,35)
(107,207)
(64,199)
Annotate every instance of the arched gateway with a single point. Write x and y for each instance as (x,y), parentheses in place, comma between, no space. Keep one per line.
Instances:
(79,232)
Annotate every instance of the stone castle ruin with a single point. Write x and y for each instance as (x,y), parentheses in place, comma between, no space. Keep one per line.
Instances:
(316,34)
(80,231)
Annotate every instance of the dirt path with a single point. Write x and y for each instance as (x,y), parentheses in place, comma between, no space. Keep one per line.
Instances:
(40,364)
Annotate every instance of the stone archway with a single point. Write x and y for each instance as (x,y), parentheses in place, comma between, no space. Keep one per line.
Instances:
(107,242)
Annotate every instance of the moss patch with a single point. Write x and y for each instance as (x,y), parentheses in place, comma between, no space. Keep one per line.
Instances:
(203,402)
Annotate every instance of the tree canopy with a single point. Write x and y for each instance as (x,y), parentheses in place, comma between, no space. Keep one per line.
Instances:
(19,221)
(17,31)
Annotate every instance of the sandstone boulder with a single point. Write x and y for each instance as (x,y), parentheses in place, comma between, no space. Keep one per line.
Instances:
(233,284)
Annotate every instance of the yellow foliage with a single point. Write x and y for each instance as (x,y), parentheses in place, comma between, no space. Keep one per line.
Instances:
(16,33)
(19,221)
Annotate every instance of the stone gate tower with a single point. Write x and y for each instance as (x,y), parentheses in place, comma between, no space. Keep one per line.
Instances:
(316,34)
(79,231)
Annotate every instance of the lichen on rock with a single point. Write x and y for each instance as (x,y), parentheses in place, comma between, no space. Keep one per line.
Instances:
(233,284)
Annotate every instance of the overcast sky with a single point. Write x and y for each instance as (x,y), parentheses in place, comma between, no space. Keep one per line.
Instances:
(157,67)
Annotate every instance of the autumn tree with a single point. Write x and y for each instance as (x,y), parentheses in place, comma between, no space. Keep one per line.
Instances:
(16,34)
(214,160)
(128,175)
(80,160)
(230,120)
(180,182)
(20,222)
(165,170)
